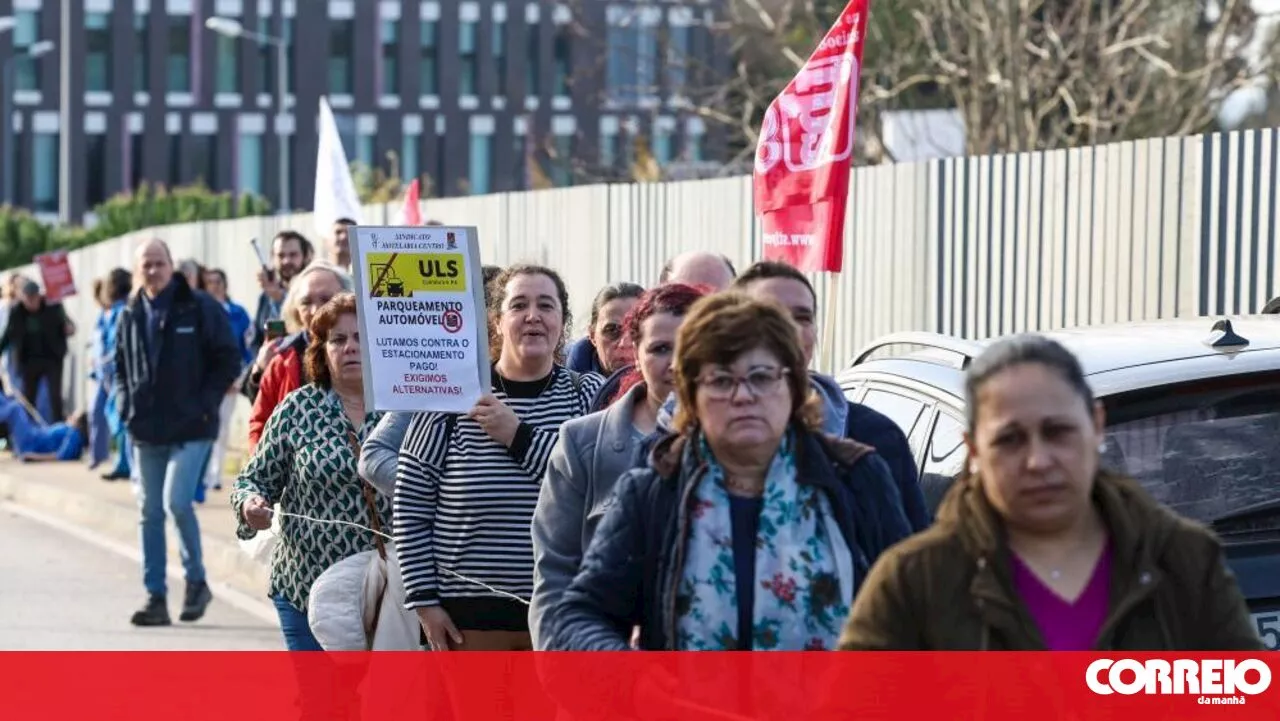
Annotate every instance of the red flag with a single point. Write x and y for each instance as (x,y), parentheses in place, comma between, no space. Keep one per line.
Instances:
(806,148)
(411,214)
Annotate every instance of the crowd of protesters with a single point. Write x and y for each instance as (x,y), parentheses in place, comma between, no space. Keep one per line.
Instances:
(677,478)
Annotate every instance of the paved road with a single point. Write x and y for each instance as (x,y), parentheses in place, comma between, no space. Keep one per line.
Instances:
(60,592)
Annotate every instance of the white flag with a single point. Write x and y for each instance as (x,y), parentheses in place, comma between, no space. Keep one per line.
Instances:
(335,190)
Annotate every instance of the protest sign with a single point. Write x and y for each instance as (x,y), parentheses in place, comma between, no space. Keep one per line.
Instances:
(55,273)
(423,325)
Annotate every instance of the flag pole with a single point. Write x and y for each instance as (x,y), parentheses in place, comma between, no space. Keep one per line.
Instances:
(831,305)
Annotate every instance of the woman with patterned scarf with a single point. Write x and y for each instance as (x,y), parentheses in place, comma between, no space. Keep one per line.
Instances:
(748,529)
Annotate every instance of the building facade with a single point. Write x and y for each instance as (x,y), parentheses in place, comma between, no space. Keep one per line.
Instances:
(475,96)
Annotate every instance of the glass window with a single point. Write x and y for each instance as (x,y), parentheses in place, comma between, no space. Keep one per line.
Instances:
(481,161)
(228,77)
(428,69)
(677,57)
(26,32)
(364,149)
(562,168)
(632,52)
(97,53)
(341,67)
(903,411)
(1206,449)
(141,53)
(608,149)
(500,55)
(135,160)
(44,173)
(533,57)
(95,190)
(563,58)
(175,160)
(390,35)
(268,54)
(467,58)
(693,147)
(178,61)
(662,146)
(204,159)
(944,459)
(520,149)
(249,164)
(409,154)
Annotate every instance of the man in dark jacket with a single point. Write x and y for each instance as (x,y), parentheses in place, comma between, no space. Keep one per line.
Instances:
(37,336)
(175,358)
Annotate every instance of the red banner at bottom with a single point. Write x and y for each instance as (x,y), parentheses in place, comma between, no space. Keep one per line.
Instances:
(700,686)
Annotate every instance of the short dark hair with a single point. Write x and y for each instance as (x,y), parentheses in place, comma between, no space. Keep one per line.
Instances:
(345,221)
(119,284)
(1022,349)
(317,363)
(610,293)
(498,295)
(766,269)
(304,245)
(222,275)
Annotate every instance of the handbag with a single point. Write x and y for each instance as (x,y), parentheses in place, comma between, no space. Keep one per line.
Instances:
(355,604)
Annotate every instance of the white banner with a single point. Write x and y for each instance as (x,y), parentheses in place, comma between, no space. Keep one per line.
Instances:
(423,324)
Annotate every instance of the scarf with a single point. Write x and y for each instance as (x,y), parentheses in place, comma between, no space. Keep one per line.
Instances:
(803,567)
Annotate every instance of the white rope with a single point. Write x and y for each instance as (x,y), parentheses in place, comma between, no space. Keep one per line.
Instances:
(459,576)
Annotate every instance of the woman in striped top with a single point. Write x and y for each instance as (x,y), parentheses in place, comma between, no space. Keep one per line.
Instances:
(467,485)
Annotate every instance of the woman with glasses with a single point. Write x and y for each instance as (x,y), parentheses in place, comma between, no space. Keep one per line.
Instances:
(748,529)
(595,450)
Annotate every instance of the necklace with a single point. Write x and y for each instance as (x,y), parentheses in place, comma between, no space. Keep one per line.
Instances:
(546,382)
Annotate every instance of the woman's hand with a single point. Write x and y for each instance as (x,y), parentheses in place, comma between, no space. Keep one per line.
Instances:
(499,421)
(257,513)
(439,627)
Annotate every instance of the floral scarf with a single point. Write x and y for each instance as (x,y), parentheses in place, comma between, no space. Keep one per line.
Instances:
(803,567)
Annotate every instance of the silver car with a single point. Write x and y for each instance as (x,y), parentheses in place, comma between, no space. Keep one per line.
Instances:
(1193,413)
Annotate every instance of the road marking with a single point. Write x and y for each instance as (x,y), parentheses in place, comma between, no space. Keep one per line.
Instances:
(222,592)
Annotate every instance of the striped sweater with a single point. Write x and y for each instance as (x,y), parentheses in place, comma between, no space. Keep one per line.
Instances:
(464,502)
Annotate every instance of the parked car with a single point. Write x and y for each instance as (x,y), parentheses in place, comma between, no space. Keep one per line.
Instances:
(1193,413)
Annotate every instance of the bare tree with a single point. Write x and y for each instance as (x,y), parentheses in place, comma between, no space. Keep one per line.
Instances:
(1023,74)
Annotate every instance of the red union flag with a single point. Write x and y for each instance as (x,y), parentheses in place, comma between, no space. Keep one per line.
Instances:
(805,149)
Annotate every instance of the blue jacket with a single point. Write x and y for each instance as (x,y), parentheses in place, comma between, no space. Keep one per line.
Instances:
(582,357)
(171,393)
(843,419)
(241,329)
(631,570)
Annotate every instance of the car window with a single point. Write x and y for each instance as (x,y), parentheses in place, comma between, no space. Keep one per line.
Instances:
(943,459)
(900,409)
(1205,449)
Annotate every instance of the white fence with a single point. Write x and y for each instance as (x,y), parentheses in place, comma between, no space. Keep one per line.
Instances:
(976,246)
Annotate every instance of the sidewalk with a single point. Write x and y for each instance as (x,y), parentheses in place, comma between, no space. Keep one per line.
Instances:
(80,498)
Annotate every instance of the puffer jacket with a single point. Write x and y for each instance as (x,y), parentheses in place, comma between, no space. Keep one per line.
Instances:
(630,572)
(951,588)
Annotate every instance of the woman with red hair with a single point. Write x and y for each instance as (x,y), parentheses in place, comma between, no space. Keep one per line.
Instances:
(595,450)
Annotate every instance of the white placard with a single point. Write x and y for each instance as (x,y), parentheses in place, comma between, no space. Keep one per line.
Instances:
(423,325)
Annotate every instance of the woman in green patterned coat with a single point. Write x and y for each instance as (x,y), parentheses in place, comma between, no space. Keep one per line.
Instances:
(306,462)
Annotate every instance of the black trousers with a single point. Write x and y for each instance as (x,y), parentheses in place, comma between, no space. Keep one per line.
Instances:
(51,373)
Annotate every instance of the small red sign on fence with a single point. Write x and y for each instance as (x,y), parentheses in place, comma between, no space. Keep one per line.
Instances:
(55,271)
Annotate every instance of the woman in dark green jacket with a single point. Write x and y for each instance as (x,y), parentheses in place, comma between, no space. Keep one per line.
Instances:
(1037,548)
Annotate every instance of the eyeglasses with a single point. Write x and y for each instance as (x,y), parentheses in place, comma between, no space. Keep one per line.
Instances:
(759,382)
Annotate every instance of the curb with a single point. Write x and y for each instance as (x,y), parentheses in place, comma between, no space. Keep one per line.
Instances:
(224,561)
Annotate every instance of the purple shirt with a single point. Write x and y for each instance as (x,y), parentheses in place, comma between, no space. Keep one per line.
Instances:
(1066,626)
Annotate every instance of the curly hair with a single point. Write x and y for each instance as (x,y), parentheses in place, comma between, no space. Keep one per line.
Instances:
(673,298)
(315,359)
(497,297)
(721,328)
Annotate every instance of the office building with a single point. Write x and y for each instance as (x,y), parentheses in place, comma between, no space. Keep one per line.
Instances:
(461,91)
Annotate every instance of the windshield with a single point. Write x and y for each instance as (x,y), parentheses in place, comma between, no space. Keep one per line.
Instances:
(1206,449)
